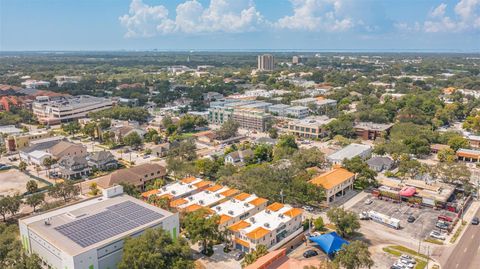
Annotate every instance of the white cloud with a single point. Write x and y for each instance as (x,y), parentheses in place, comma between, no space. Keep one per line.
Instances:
(467,18)
(316,15)
(191,17)
(439,11)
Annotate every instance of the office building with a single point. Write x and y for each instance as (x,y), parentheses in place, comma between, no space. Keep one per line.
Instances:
(278,109)
(252,119)
(298,59)
(219,114)
(311,127)
(335,182)
(271,227)
(371,130)
(90,234)
(17,142)
(266,62)
(298,112)
(349,152)
(58,109)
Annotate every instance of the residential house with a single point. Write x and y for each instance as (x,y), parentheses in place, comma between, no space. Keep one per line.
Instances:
(65,148)
(335,182)
(239,157)
(351,151)
(160,150)
(121,131)
(380,163)
(73,167)
(102,160)
(138,176)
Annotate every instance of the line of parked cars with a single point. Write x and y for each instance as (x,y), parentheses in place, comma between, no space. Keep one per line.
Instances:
(438,235)
(404,262)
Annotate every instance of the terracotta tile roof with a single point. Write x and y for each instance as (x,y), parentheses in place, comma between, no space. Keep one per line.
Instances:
(178,202)
(332,178)
(224,218)
(192,208)
(148,193)
(242,196)
(202,184)
(214,188)
(229,192)
(239,225)
(258,233)
(241,242)
(292,213)
(258,201)
(275,207)
(188,180)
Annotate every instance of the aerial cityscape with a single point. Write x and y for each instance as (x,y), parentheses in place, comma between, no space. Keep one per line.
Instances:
(230,134)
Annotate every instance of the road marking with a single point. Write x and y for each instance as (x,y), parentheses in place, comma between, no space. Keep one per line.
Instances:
(456,265)
(473,236)
(465,250)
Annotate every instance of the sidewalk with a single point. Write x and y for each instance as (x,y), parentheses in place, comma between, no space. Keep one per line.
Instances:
(467,217)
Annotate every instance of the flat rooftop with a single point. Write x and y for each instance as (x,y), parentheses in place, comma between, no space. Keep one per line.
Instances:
(181,187)
(313,120)
(208,197)
(349,152)
(238,205)
(373,126)
(93,223)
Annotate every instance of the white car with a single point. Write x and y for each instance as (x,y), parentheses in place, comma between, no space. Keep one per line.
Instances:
(308,208)
(368,201)
(437,235)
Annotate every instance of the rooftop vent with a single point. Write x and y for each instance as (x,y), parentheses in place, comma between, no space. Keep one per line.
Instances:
(267,225)
(201,202)
(218,207)
(252,219)
(267,211)
(230,212)
(48,221)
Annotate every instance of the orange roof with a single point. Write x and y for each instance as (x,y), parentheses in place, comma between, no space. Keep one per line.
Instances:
(241,242)
(258,201)
(150,192)
(166,195)
(178,202)
(229,192)
(202,184)
(224,218)
(320,98)
(468,154)
(192,208)
(239,225)
(258,233)
(214,188)
(275,206)
(292,213)
(332,178)
(242,196)
(188,180)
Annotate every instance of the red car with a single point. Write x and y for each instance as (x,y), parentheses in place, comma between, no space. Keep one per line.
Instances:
(445,218)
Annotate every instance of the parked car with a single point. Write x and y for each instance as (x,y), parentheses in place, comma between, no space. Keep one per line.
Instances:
(368,201)
(437,235)
(238,255)
(441,225)
(410,219)
(445,218)
(475,221)
(310,253)
(308,208)
(408,258)
(363,216)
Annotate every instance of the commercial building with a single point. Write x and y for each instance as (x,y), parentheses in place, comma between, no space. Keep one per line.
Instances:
(371,131)
(251,119)
(468,155)
(180,189)
(278,109)
(474,141)
(17,142)
(335,182)
(90,234)
(266,62)
(240,207)
(271,227)
(209,197)
(349,152)
(219,114)
(321,105)
(298,112)
(58,109)
(311,127)
(299,59)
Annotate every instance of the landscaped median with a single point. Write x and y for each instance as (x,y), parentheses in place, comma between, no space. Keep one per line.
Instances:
(458,232)
(399,250)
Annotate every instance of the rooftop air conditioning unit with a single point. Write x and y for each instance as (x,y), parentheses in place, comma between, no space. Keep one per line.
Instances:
(48,221)
(164,189)
(267,211)
(174,192)
(218,207)
(217,195)
(252,219)
(190,186)
(246,204)
(230,212)
(207,191)
(190,198)
(201,202)
(267,225)
(280,215)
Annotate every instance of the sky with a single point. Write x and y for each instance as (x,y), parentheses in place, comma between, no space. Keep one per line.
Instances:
(296,25)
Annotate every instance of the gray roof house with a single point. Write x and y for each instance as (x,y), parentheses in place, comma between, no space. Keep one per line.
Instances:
(349,152)
(73,167)
(380,163)
(102,160)
(238,157)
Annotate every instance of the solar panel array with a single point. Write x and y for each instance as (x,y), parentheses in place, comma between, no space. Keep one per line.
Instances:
(116,219)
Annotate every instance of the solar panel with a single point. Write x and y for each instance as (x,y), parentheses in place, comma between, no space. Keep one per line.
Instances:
(116,219)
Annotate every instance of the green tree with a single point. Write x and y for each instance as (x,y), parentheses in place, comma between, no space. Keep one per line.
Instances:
(130,189)
(22,166)
(48,162)
(458,142)
(446,155)
(90,129)
(201,229)
(104,124)
(346,222)
(318,223)
(353,256)
(65,190)
(9,205)
(133,139)
(32,186)
(228,129)
(285,147)
(156,249)
(365,176)
(12,255)
(260,250)
(273,133)
(207,167)
(94,189)
(71,128)
(262,153)
(35,200)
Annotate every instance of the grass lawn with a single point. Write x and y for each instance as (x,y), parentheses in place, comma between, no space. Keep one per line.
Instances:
(434,241)
(399,250)
(457,233)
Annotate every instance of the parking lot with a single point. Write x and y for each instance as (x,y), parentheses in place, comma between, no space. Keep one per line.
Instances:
(425,217)
(13,181)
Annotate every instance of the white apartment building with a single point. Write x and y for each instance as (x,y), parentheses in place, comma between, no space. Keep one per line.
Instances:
(54,110)
(278,109)
(266,62)
(311,127)
(240,207)
(90,234)
(207,198)
(179,189)
(270,227)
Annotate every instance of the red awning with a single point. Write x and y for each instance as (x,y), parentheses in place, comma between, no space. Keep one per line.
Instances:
(408,191)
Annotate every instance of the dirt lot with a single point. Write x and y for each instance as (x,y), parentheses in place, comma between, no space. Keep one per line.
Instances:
(13,181)
(297,253)
(425,218)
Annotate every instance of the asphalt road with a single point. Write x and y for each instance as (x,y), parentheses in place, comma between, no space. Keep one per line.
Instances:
(466,254)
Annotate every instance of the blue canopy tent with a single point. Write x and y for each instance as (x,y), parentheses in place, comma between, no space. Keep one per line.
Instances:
(329,243)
